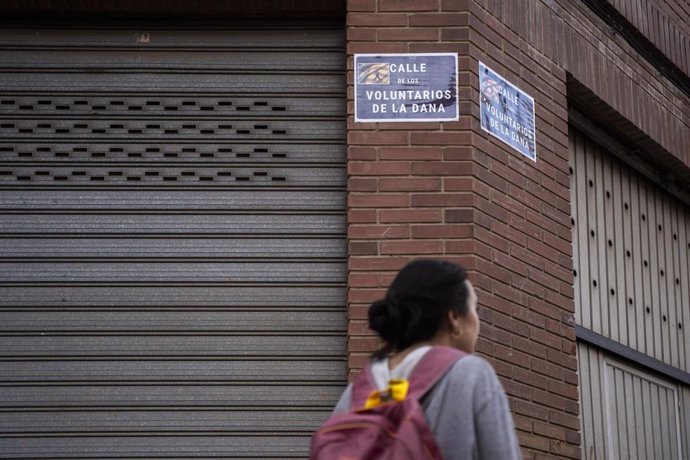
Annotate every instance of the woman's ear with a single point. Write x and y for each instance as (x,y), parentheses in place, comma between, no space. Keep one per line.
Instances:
(455,320)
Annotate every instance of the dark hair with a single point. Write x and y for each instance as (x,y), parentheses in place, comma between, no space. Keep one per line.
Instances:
(417,302)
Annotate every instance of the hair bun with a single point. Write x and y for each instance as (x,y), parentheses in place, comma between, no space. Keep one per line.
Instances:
(384,319)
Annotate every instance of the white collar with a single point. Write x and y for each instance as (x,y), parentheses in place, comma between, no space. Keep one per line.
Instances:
(382,374)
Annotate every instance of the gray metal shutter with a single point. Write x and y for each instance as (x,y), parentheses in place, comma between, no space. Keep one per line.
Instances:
(631,255)
(173,254)
(628,412)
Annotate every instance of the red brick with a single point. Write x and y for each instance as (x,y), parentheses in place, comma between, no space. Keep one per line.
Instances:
(495,272)
(534,442)
(462,48)
(376,47)
(413,184)
(509,263)
(410,153)
(573,437)
(458,184)
(564,389)
(423,34)
(378,200)
(565,449)
(493,239)
(463,215)
(440,138)
(515,389)
(378,231)
(356,343)
(549,399)
(376,20)
(363,248)
(439,19)
(361,5)
(512,356)
(550,431)
(511,324)
(365,295)
(361,34)
(458,153)
(409,215)
(361,153)
(455,5)
(355,280)
(546,368)
(408,5)
(531,409)
(455,34)
(529,347)
(442,199)
(378,263)
(361,216)
(548,339)
(460,247)
(563,359)
(412,247)
(454,168)
(378,168)
(522,423)
(442,231)
(359,327)
(529,378)
(568,421)
(497,336)
(357,184)
(376,138)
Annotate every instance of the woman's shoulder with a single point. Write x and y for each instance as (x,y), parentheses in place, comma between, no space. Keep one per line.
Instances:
(472,369)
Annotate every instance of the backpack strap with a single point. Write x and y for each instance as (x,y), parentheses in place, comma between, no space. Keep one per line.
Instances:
(362,388)
(434,364)
(429,370)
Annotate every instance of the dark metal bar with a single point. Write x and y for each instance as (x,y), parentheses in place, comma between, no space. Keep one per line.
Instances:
(611,346)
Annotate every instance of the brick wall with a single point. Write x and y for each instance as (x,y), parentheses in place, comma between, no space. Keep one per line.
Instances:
(568,34)
(448,190)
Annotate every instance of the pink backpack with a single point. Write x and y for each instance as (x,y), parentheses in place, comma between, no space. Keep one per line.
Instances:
(392,430)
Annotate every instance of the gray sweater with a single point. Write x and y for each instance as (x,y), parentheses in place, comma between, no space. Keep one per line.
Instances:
(467,410)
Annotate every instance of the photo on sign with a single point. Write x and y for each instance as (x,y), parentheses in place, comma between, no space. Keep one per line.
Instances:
(506,112)
(373,73)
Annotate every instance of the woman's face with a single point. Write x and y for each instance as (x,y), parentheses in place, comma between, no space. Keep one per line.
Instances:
(469,323)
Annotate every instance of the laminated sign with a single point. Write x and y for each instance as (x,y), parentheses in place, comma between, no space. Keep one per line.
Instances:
(406,87)
(507,112)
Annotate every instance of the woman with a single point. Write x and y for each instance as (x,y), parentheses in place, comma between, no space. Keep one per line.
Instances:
(432,303)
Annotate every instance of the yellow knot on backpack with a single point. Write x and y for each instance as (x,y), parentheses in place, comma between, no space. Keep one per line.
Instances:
(395,391)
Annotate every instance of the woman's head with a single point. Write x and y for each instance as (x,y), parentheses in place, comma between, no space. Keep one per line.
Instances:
(428,299)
